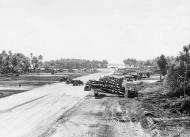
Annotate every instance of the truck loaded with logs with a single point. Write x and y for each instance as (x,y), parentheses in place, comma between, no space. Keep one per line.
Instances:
(109,84)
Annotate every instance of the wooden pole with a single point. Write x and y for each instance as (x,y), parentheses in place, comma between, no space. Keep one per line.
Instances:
(185,80)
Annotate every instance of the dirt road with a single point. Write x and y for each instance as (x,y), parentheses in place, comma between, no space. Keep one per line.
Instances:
(61,110)
(30,113)
(103,116)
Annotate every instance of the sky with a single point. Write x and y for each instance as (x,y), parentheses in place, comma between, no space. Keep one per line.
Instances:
(95,29)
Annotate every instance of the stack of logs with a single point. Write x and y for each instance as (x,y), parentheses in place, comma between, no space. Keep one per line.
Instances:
(108,84)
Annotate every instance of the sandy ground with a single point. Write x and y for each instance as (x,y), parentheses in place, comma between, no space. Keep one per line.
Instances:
(61,110)
(30,113)
(97,117)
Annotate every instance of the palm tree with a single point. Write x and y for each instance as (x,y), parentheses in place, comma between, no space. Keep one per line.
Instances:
(40,58)
(162,64)
(186,49)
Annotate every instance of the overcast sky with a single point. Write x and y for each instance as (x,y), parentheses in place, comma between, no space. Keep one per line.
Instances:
(95,29)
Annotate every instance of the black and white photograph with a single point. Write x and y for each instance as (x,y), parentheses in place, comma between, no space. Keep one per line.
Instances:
(94,68)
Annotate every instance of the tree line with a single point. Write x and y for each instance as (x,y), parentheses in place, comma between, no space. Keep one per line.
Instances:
(144,63)
(75,64)
(138,63)
(19,63)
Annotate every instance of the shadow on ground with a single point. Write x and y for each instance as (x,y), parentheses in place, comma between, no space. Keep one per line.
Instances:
(100,96)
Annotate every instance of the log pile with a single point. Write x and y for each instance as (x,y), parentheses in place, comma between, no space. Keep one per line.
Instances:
(111,85)
(107,84)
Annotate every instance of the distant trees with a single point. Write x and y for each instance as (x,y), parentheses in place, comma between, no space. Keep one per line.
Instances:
(75,64)
(19,63)
(148,63)
(162,64)
(36,62)
(104,63)
(139,63)
(13,63)
(130,62)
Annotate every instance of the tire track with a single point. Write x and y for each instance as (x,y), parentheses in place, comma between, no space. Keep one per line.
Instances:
(22,104)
